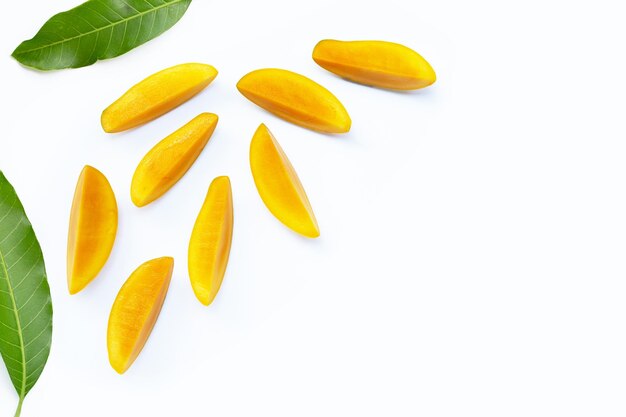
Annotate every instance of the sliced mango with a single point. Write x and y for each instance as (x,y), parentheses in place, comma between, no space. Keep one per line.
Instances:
(210,242)
(156,95)
(136,310)
(375,63)
(93,226)
(279,186)
(295,98)
(170,159)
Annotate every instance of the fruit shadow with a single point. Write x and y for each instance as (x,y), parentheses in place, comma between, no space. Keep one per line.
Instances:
(425,91)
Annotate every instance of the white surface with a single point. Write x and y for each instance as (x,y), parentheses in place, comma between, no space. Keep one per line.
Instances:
(471,261)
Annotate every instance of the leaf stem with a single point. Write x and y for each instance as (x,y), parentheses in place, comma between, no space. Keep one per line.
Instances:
(19,406)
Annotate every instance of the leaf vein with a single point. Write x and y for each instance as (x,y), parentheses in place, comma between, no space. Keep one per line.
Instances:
(17,322)
(100,14)
(43,307)
(31,296)
(10,233)
(35,338)
(32,267)
(8,211)
(16,245)
(43,349)
(9,343)
(63,41)
(32,244)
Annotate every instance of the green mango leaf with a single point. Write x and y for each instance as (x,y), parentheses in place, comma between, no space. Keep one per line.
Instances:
(98,29)
(25,304)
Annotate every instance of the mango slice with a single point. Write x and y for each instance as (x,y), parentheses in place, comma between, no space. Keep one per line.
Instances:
(170,159)
(295,98)
(93,226)
(156,95)
(136,310)
(210,242)
(279,186)
(375,63)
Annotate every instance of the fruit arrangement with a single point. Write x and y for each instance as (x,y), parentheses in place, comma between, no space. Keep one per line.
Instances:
(291,96)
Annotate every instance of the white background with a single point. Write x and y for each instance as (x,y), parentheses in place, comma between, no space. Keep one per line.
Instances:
(472,256)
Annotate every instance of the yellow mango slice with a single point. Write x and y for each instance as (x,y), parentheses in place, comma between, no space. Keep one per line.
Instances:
(135,311)
(157,95)
(170,159)
(295,98)
(375,63)
(279,186)
(210,242)
(93,226)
